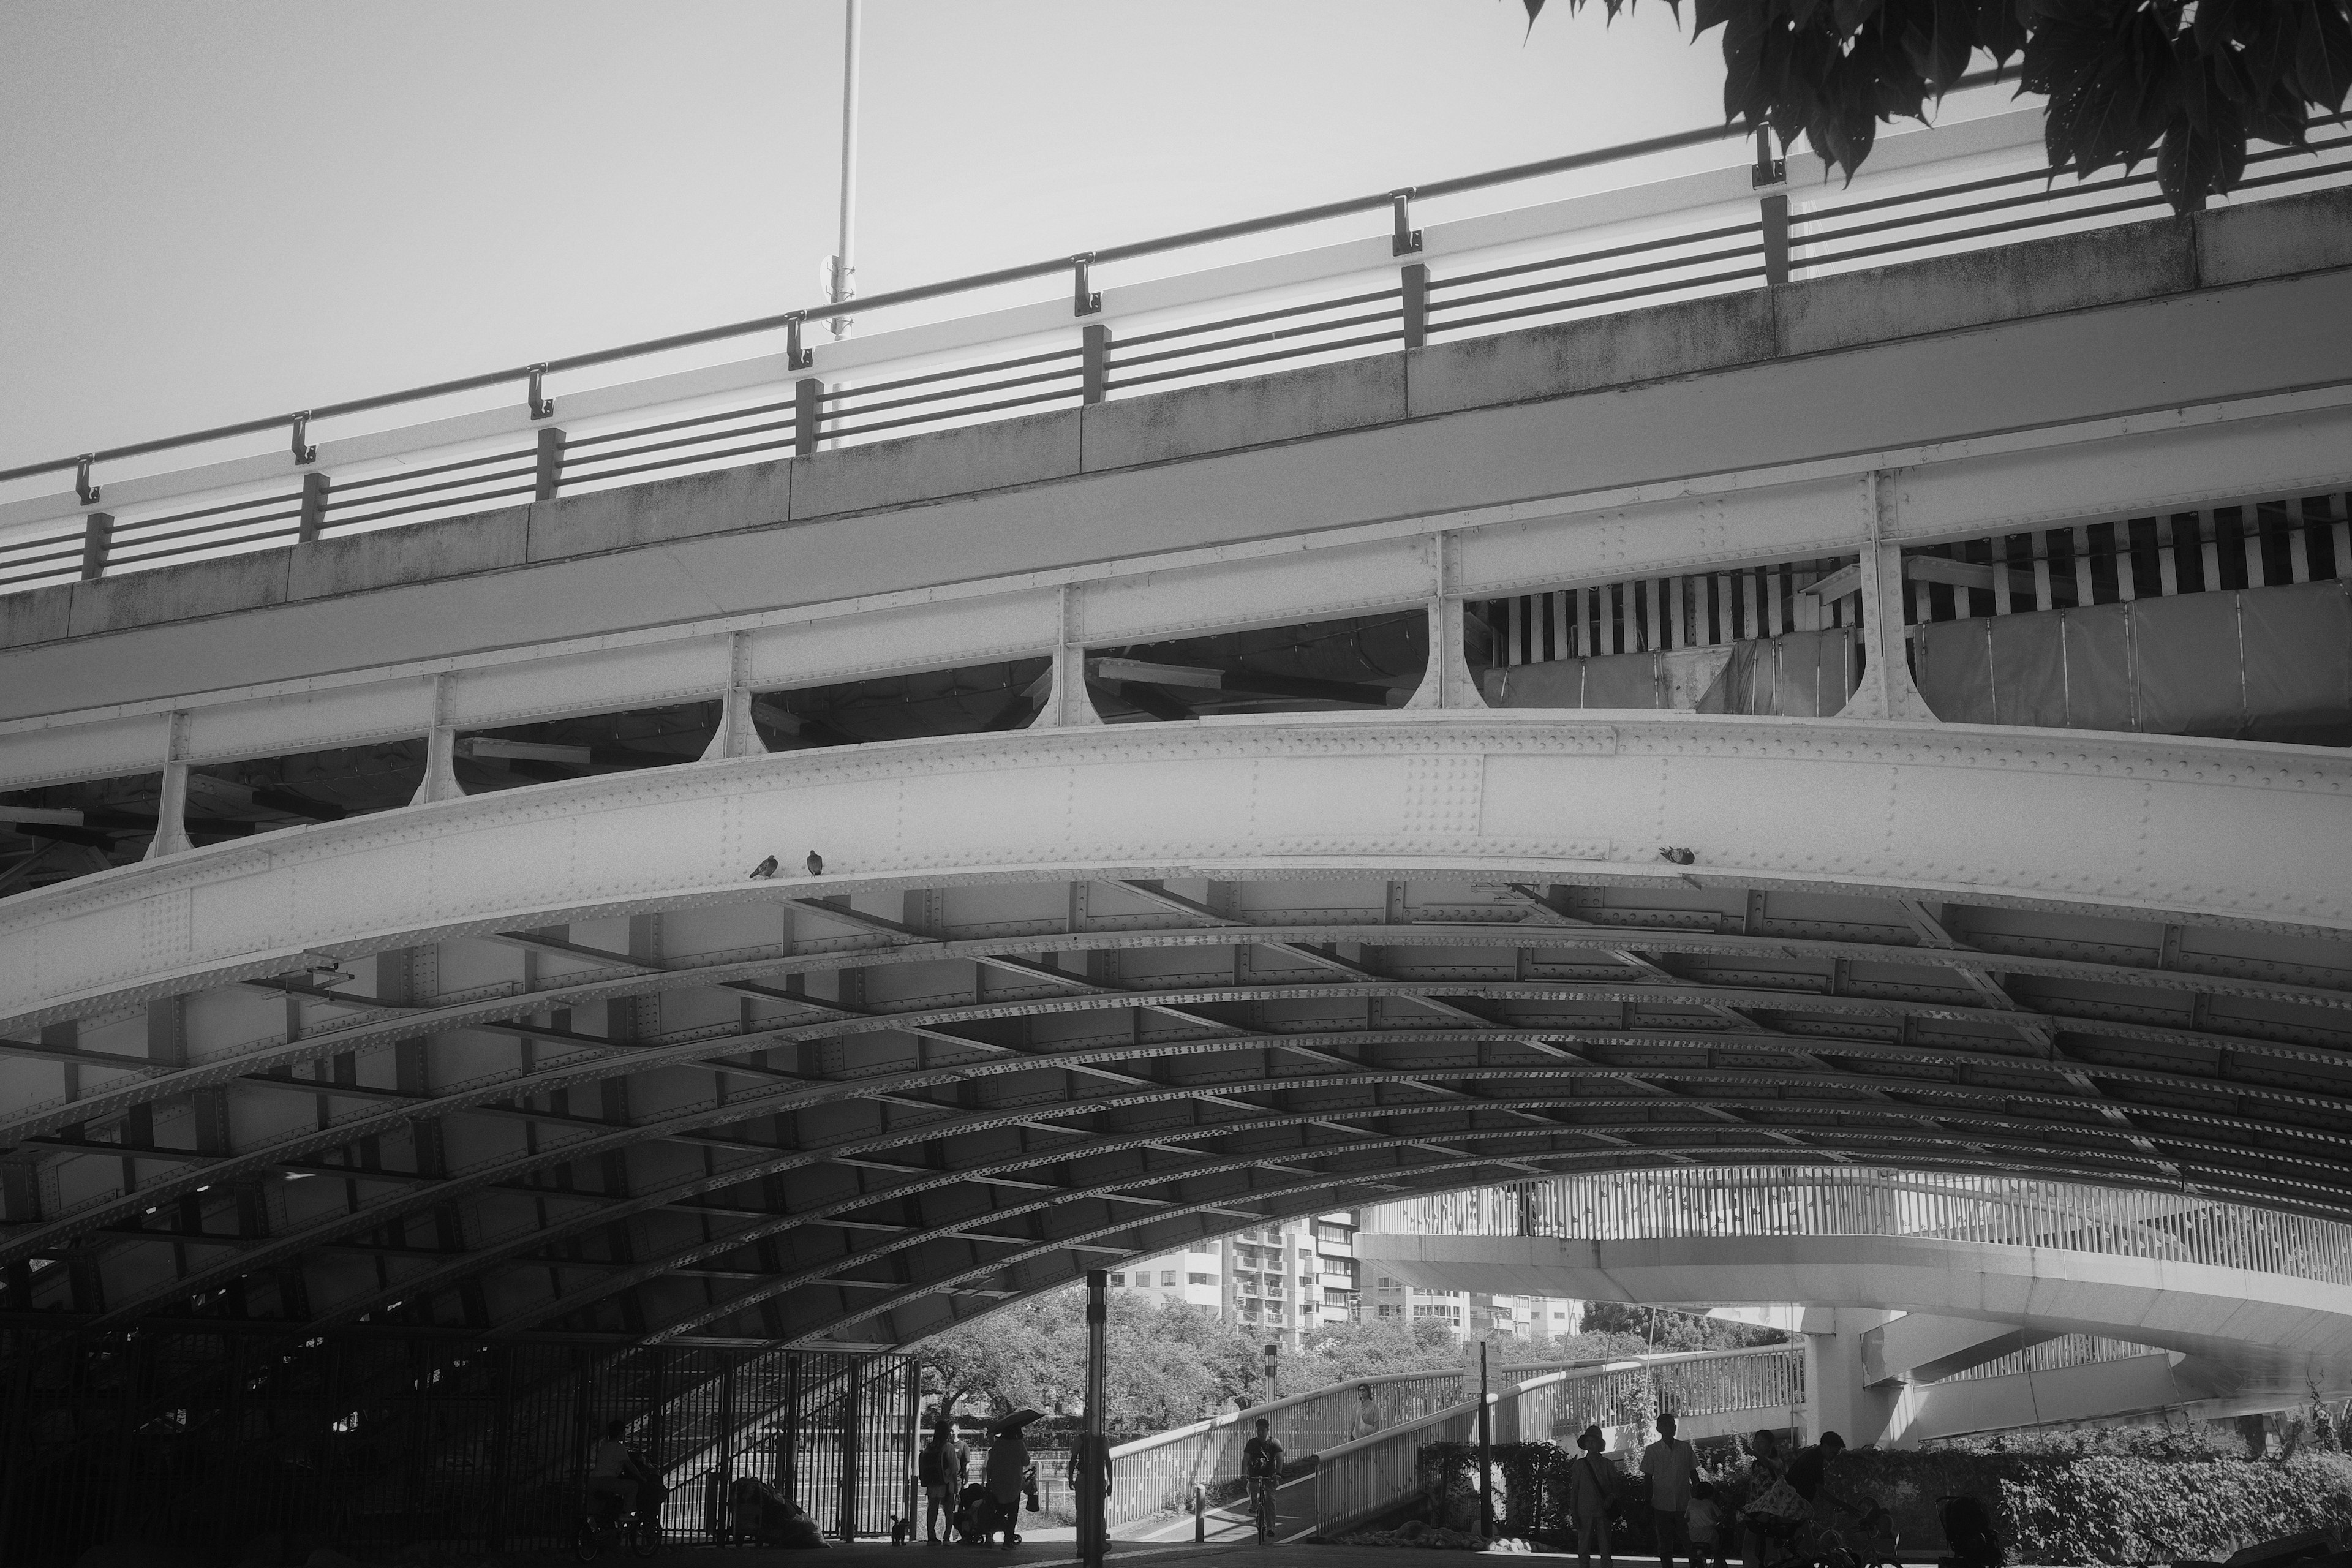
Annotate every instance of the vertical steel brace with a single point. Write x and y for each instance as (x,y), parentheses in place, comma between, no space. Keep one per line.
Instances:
(808,415)
(314,507)
(1095,367)
(82,487)
(542,406)
(1416,303)
(1408,239)
(1084,301)
(303,451)
(97,538)
(547,473)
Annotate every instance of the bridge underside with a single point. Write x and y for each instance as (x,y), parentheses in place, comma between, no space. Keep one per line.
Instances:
(551,1060)
(2247,1329)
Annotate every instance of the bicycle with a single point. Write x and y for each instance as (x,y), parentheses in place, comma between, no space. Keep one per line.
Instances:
(641,1529)
(1262,1491)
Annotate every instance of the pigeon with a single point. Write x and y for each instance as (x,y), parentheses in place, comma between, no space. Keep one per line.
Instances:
(1677,857)
(816,864)
(764,870)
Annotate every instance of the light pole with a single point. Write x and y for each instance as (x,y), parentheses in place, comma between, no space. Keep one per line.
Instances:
(842,280)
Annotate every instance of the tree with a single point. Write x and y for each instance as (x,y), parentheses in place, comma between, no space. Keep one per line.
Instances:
(1673,1328)
(2190,80)
(1164,1364)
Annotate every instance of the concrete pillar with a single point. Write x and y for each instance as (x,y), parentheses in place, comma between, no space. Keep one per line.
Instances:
(1838,1396)
(1886,690)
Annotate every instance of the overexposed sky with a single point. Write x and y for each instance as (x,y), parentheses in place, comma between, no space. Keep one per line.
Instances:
(229,210)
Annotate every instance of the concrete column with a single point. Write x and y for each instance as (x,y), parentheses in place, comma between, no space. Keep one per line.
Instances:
(440,751)
(1446,681)
(1887,691)
(172,809)
(1066,703)
(1838,1397)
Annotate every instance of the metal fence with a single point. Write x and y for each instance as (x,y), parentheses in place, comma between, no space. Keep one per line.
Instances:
(372,1441)
(1156,1474)
(2005,1210)
(1014,362)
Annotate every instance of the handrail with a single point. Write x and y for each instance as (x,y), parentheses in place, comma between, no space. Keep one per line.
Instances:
(1296,217)
(1343,1496)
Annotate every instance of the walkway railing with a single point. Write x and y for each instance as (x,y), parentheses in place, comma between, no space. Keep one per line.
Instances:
(1718,231)
(2005,1211)
(1361,1480)
(1157,1474)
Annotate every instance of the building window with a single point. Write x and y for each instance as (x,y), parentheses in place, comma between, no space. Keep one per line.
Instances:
(1212,1279)
(1167,1276)
(1118,1281)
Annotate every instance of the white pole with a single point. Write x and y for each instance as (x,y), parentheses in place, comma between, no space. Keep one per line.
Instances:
(845,266)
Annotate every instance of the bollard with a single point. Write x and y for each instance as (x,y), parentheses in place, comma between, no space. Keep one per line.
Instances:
(1200,1513)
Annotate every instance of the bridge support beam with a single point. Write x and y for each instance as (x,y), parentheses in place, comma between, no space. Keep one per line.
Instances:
(1838,1396)
(1921,1347)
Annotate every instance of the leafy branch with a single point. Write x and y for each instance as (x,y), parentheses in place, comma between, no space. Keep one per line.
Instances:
(2187,81)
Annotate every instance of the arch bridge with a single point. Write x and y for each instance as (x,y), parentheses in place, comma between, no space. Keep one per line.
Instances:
(1832,718)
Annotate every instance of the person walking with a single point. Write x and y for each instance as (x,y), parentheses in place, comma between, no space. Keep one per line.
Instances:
(1368,1414)
(941,1467)
(1592,1491)
(1006,1474)
(1670,1464)
(1764,1472)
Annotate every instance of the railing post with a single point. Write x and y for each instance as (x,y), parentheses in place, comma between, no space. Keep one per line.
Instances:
(1408,239)
(1416,304)
(850,1383)
(808,415)
(1084,301)
(1095,372)
(97,538)
(314,507)
(549,473)
(1771,172)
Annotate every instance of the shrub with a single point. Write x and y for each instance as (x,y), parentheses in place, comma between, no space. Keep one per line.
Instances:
(2059,1506)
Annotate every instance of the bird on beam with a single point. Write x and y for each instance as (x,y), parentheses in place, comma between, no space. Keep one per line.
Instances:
(815,864)
(764,870)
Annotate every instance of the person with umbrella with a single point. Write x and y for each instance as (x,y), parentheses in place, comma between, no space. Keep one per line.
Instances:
(1006,1473)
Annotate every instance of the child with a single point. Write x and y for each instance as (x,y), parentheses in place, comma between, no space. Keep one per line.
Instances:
(1706,1522)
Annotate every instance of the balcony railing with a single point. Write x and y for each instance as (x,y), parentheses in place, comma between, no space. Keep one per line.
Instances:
(1723,230)
(2000,1210)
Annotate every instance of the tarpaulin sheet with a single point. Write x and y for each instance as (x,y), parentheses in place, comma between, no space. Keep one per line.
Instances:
(1796,675)
(1655,679)
(2254,663)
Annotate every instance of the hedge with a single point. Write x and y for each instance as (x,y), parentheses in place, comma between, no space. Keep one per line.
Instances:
(2051,1508)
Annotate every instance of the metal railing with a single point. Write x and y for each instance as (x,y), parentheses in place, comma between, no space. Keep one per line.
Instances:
(1023,360)
(1156,1474)
(2002,1210)
(1360,1479)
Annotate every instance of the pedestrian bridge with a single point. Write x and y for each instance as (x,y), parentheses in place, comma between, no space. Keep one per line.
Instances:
(2255,1305)
(1826,709)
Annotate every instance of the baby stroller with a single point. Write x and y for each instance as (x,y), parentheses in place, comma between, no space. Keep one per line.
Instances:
(979,1515)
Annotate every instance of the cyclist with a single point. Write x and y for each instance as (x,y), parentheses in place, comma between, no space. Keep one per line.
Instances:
(615,1477)
(1261,1464)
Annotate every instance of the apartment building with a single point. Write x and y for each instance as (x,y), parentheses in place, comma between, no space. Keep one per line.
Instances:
(1276,1281)
(1476,1314)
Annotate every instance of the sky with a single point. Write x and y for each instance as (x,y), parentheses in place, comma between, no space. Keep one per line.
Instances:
(230,210)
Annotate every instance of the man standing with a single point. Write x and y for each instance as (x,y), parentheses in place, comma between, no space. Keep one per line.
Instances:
(1592,1487)
(1670,1463)
(1368,1414)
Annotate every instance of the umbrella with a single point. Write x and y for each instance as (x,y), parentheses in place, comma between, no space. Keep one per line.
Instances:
(1014,1421)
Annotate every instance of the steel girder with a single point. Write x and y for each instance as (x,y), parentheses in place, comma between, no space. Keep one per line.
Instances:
(1109,997)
